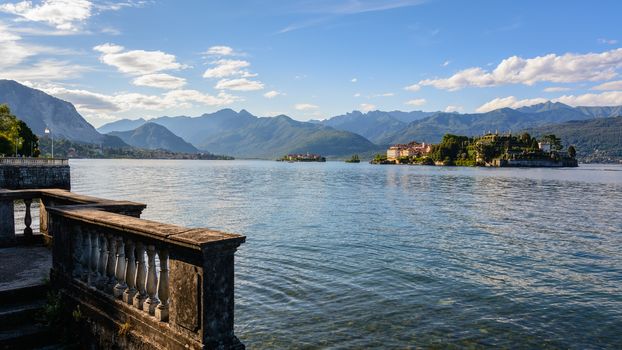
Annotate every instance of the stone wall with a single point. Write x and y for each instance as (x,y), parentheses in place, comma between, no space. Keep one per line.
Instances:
(535,163)
(17,177)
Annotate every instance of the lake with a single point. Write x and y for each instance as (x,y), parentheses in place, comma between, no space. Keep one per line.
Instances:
(367,256)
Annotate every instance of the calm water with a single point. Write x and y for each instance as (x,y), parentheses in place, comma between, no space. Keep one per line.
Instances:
(361,256)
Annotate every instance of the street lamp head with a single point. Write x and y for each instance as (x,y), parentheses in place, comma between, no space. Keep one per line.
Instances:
(47,131)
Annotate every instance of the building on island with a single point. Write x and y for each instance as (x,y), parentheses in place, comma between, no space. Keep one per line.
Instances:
(544,146)
(412,149)
(309,157)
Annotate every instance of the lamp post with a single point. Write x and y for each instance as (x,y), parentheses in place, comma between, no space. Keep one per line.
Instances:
(48,131)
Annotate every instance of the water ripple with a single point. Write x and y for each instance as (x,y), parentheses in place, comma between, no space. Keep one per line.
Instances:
(350,256)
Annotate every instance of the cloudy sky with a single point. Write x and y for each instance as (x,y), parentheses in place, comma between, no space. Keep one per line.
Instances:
(312,59)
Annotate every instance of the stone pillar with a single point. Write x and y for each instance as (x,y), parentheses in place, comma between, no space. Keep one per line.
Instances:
(7,222)
(218,298)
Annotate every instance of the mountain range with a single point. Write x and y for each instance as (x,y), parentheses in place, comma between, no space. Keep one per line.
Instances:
(596,140)
(242,134)
(155,136)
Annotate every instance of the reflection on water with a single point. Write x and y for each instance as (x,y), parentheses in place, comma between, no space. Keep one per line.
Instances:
(354,255)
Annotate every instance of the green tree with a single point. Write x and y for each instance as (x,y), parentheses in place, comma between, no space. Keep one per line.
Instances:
(5,145)
(30,141)
(572,152)
(16,135)
(556,142)
(525,138)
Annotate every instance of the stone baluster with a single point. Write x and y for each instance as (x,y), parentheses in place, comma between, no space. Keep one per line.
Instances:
(76,237)
(141,274)
(101,281)
(130,272)
(94,257)
(161,311)
(86,255)
(110,264)
(120,287)
(152,282)
(27,219)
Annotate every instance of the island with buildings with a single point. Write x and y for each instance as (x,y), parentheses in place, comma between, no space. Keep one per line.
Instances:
(496,150)
(306,157)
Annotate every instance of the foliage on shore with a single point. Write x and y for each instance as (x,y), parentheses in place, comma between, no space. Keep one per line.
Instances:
(16,138)
(479,151)
(69,149)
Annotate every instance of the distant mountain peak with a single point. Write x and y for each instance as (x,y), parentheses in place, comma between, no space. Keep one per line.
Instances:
(40,111)
(151,135)
(544,107)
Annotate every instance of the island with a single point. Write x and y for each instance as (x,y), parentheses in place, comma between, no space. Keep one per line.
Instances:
(308,157)
(494,150)
(354,159)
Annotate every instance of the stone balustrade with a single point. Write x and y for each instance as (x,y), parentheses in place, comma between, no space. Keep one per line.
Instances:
(49,197)
(33,161)
(168,287)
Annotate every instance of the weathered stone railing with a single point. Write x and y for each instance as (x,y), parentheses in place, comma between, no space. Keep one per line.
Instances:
(49,197)
(33,161)
(139,284)
(169,283)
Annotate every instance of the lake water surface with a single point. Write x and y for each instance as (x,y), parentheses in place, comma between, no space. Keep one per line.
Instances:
(366,256)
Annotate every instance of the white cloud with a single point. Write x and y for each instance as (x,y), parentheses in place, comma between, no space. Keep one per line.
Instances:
(607,41)
(305,107)
(62,14)
(416,102)
(222,99)
(386,94)
(98,106)
(566,68)
(354,7)
(227,68)
(83,99)
(221,50)
(137,62)
(67,16)
(160,80)
(610,85)
(453,109)
(508,102)
(241,84)
(358,94)
(272,94)
(45,70)
(446,63)
(414,87)
(366,107)
(609,98)
(354,80)
(13,51)
(556,89)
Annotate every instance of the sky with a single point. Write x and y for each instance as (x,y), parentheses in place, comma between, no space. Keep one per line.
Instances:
(312,59)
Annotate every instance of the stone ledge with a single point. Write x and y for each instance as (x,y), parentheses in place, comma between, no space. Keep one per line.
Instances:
(197,238)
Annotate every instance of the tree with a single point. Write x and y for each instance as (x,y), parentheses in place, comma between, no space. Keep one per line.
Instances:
(572,152)
(6,146)
(525,138)
(30,141)
(16,135)
(556,142)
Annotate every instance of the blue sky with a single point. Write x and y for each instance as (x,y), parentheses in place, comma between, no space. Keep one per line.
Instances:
(312,59)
